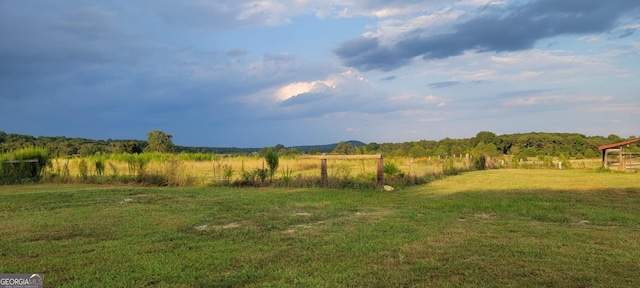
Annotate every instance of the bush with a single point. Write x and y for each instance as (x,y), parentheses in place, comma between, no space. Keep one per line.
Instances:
(84,169)
(480,162)
(271,156)
(23,166)
(566,161)
(390,169)
(99,167)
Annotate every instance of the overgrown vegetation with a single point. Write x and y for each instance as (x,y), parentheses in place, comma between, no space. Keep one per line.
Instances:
(181,170)
(23,166)
(406,164)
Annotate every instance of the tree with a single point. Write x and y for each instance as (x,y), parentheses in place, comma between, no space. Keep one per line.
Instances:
(279,147)
(130,147)
(417,151)
(344,149)
(485,137)
(159,142)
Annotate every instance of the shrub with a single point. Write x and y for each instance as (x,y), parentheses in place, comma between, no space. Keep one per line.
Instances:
(99,167)
(566,161)
(480,162)
(390,169)
(262,174)
(228,173)
(23,166)
(84,169)
(271,156)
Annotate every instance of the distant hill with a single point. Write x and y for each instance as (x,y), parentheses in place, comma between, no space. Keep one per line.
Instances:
(325,148)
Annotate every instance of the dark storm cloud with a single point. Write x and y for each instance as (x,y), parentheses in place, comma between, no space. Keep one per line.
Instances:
(366,54)
(514,29)
(93,65)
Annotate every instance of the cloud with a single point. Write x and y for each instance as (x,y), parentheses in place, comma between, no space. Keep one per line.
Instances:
(346,92)
(513,28)
(443,84)
(120,68)
(233,14)
(366,54)
(555,99)
(237,52)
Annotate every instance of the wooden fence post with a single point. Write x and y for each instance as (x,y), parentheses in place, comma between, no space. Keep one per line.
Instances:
(324,178)
(468,161)
(380,171)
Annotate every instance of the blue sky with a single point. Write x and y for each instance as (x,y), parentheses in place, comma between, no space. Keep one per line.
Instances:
(299,72)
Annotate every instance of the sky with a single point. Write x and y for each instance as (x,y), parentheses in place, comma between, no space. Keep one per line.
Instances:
(244,73)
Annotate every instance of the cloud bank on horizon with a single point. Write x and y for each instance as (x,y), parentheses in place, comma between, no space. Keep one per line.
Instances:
(296,72)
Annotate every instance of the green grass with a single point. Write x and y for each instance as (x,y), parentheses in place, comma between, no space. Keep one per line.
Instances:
(496,228)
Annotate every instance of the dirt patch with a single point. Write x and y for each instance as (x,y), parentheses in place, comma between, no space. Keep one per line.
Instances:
(127,200)
(136,198)
(485,216)
(201,227)
(303,226)
(205,227)
(232,225)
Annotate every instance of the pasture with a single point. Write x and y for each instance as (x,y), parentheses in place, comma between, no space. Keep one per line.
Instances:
(493,228)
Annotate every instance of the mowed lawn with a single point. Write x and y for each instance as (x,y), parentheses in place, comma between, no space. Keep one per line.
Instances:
(518,228)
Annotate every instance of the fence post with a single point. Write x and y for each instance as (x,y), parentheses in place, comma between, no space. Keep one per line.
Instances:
(324,179)
(468,161)
(380,172)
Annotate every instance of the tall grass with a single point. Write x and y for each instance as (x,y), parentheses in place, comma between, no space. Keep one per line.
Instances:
(15,169)
(204,169)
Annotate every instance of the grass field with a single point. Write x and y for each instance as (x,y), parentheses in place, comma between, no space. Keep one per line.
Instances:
(495,228)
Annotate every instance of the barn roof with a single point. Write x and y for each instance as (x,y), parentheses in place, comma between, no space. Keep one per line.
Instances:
(604,147)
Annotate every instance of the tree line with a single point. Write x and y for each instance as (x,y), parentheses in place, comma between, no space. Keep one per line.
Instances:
(483,143)
(487,143)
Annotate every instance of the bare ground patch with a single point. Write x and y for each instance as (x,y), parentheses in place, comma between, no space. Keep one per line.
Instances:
(206,227)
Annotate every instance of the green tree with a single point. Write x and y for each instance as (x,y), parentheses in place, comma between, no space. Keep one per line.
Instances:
(344,149)
(417,151)
(159,142)
(130,147)
(485,137)
(279,147)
